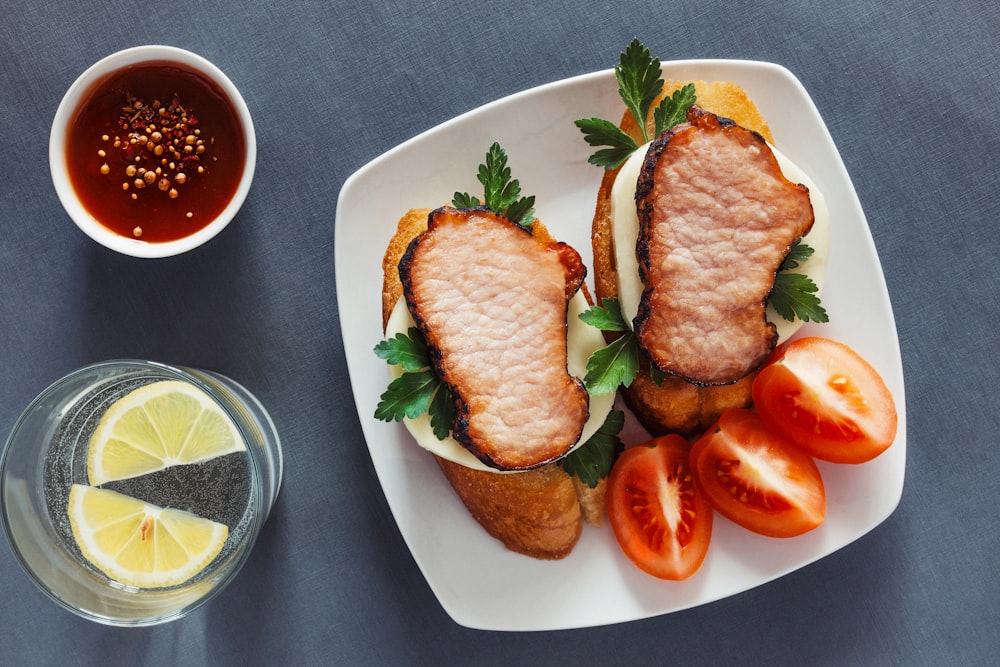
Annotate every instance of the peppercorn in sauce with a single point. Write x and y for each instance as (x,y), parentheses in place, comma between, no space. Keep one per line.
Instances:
(155,151)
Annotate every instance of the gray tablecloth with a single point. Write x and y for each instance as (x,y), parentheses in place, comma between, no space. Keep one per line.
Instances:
(909,92)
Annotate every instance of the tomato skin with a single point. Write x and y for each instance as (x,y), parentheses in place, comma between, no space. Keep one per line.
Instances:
(658,516)
(756,478)
(824,397)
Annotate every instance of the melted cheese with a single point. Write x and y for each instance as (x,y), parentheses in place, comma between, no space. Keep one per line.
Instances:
(582,339)
(625,224)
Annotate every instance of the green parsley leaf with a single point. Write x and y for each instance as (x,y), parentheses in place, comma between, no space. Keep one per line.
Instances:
(639,81)
(592,460)
(656,375)
(522,211)
(442,411)
(612,365)
(501,192)
(417,390)
(797,255)
(616,363)
(673,110)
(599,132)
(639,84)
(408,396)
(794,296)
(409,352)
(606,317)
(465,200)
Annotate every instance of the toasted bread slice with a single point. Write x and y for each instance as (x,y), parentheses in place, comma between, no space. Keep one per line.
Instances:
(539,512)
(535,513)
(674,406)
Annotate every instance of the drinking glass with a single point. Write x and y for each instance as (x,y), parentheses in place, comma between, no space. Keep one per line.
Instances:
(46,454)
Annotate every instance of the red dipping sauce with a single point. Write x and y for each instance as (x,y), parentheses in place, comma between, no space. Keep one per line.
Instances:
(155,151)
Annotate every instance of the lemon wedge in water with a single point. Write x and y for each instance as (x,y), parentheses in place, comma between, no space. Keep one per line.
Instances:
(156,426)
(139,544)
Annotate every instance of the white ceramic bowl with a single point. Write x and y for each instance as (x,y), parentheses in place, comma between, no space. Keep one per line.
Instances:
(58,163)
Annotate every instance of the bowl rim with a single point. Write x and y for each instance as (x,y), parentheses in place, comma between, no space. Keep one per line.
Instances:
(60,172)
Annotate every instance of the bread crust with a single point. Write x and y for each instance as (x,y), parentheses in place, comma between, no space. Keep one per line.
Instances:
(539,512)
(674,406)
(535,513)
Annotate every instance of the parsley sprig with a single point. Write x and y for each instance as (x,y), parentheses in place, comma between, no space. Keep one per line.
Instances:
(616,363)
(639,84)
(592,460)
(794,294)
(501,193)
(418,390)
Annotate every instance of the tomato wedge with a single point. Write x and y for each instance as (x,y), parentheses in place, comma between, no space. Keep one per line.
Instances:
(756,478)
(659,518)
(824,397)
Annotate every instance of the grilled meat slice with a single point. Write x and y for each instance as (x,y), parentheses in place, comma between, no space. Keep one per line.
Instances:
(716,219)
(491,302)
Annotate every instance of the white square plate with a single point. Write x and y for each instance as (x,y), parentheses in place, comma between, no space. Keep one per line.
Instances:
(477,581)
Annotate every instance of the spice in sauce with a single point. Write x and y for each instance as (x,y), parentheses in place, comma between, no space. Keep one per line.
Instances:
(155,151)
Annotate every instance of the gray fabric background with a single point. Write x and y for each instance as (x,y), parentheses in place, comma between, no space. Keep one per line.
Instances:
(909,91)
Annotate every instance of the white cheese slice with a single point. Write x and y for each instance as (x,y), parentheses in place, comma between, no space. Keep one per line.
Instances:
(625,224)
(582,339)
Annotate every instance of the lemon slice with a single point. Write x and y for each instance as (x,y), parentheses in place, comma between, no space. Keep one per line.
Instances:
(139,544)
(157,426)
